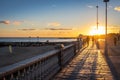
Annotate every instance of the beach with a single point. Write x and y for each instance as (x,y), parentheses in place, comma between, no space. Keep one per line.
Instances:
(21,53)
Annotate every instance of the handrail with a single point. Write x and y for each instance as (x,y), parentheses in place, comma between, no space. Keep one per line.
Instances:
(32,65)
(26,62)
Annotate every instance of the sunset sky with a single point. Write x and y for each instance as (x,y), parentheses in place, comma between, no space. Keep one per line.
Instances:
(55,18)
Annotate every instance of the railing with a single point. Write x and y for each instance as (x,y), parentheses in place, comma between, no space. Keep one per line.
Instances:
(41,67)
(26,44)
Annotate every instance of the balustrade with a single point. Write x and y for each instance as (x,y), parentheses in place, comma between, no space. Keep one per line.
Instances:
(41,67)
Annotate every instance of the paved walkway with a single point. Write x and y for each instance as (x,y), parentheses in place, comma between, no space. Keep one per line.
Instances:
(88,65)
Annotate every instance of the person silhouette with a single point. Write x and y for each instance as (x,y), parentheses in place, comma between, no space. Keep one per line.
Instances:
(92,40)
(87,40)
(115,41)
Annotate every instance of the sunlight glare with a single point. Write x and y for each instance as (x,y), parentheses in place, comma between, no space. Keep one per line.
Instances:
(100,30)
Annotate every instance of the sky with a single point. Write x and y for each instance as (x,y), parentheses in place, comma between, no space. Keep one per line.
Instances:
(55,18)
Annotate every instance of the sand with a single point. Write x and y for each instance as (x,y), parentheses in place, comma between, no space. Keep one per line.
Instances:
(20,53)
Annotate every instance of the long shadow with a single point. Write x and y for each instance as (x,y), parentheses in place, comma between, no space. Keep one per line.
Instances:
(112,68)
(79,67)
(93,75)
(110,64)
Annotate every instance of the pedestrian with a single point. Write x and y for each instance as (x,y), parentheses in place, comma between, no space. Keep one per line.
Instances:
(87,40)
(115,41)
(92,40)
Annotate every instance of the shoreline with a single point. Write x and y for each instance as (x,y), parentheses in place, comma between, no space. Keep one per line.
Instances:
(21,53)
(28,44)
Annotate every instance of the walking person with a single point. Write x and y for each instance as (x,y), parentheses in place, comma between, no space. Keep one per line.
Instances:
(115,41)
(93,40)
(87,40)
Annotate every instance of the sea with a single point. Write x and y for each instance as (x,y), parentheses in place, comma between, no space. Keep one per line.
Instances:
(35,39)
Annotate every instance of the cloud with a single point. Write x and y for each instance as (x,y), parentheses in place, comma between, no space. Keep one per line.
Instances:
(27,29)
(55,24)
(110,6)
(117,8)
(114,27)
(5,22)
(11,22)
(58,29)
(90,6)
(64,32)
(17,22)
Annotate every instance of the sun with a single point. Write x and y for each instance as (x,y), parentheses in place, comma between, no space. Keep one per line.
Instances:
(99,31)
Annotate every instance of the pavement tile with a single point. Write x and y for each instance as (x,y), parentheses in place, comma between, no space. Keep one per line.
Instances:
(88,65)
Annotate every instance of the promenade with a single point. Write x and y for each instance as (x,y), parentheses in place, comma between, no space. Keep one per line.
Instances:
(89,64)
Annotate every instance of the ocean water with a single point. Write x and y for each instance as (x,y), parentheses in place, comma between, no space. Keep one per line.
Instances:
(35,39)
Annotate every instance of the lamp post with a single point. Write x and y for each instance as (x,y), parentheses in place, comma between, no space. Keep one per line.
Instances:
(106,50)
(97,27)
(97,17)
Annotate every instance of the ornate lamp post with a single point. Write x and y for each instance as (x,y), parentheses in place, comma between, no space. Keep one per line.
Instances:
(106,50)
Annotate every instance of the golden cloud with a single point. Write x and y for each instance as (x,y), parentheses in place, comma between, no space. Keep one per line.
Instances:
(17,22)
(58,29)
(5,22)
(11,22)
(55,24)
(31,29)
(117,8)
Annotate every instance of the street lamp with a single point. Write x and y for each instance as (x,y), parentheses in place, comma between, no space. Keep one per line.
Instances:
(106,50)
(97,17)
(105,0)
(97,26)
